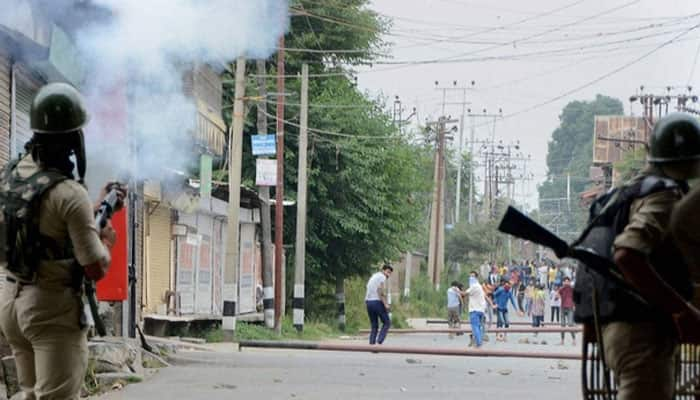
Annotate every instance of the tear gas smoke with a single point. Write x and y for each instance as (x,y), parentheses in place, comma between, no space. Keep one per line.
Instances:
(134,59)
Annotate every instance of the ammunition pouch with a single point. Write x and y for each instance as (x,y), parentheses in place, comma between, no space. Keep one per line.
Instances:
(22,246)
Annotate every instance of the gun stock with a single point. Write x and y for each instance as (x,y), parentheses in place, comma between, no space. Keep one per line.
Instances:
(520,225)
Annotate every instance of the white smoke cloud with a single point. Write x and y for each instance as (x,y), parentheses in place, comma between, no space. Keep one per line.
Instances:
(143,49)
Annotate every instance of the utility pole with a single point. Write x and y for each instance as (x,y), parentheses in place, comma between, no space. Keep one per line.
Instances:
(459,157)
(436,252)
(471,170)
(228,322)
(397,115)
(300,255)
(279,191)
(267,252)
(488,162)
(464,104)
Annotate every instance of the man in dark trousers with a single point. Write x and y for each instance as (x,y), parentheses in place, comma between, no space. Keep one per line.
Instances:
(566,295)
(378,305)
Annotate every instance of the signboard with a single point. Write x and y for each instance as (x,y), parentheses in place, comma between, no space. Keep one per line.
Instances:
(266,172)
(205,172)
(614,135)
(264,145)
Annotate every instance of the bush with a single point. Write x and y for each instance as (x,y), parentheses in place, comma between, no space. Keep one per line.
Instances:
(356,311)
(425,301)
(313,330)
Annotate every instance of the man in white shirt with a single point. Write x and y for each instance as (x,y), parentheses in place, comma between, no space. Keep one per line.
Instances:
(377,305)
(477,306)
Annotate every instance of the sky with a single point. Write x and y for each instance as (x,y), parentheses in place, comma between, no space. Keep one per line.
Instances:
(531,58)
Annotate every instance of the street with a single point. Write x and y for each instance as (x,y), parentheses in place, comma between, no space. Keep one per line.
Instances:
(284,374)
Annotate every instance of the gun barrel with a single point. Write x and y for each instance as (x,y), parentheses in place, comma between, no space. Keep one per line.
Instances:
(106,209)
(520,225)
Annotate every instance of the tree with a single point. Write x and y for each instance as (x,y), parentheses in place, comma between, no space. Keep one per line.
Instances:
(569,159)
(367,197)
(631,164)
(470,243)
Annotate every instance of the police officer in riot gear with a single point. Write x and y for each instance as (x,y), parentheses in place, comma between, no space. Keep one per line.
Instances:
(640,339)
(49,238)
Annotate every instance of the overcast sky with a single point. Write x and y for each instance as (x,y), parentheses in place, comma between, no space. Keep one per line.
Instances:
(575,42)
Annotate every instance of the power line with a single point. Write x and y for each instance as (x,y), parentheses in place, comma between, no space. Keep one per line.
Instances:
(551,52)
(607,75)
(536,16)
(695,63)
(570,51)
(559,27)
(338,134)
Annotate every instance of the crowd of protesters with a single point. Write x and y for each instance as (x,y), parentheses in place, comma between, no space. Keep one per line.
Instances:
(527,287)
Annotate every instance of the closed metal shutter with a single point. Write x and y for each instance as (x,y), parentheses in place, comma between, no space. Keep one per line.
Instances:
(5,106)
(25,85)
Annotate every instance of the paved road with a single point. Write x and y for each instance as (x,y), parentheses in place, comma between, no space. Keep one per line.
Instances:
(284,374)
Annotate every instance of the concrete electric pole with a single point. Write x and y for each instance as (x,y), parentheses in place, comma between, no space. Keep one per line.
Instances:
(300,255)
(228,322)
(279,192)
(267,251)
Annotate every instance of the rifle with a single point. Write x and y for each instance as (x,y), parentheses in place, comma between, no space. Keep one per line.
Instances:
(104,214)
(521,226)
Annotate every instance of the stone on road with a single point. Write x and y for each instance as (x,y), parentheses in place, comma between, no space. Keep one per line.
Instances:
(287,374)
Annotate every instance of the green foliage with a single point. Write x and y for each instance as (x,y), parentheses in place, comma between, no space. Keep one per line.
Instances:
(470,244)
(367,198)
(570,153)
(631,164)
(355,310)
(214,335)
(313,330)
(425,301)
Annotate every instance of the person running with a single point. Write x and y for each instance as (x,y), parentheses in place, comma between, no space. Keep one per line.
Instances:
(377,304)
(554,304)
(502,295)
(566,294)
(477,305)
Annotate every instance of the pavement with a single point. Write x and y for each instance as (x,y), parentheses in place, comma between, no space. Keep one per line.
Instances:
(225,373)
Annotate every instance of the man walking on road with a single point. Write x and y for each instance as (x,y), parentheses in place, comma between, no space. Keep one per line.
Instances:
(377,304)
(566,294)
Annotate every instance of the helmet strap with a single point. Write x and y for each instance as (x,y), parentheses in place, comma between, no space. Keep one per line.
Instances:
(80,156)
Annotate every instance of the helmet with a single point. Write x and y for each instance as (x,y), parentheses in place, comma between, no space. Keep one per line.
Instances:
(676,137)
(57,108)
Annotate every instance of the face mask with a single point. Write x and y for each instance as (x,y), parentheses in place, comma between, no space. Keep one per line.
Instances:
(473,281)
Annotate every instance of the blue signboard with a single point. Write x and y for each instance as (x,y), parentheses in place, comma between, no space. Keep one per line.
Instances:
(264,145)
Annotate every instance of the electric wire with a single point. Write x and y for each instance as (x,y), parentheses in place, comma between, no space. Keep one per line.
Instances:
(337,134)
